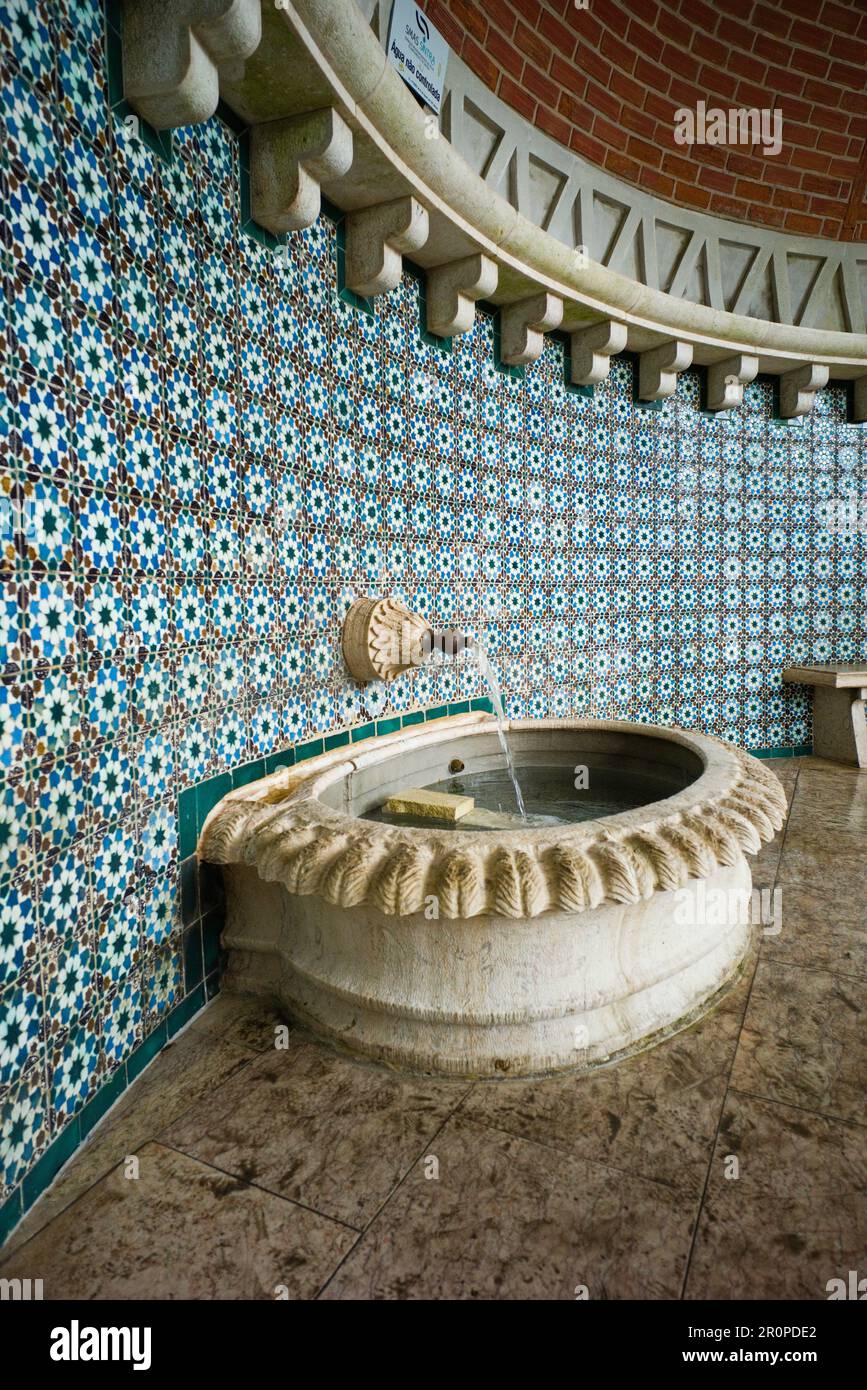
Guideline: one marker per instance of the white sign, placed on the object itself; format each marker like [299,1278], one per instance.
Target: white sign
[418,51]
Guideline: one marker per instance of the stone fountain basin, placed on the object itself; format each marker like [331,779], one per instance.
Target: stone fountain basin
[503,952]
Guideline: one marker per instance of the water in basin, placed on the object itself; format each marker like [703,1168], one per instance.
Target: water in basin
[550,796]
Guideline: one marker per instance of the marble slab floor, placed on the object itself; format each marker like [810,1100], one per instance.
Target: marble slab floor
[301,1173]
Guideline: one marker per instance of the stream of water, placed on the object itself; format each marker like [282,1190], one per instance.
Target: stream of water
[496,695]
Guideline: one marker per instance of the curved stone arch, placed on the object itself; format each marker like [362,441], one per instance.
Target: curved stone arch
[426,186]
[710,260]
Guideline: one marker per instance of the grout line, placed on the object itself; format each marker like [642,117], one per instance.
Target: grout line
[257,1186]
[713,1144]
[802,1109]
[575,1154]
[400,1182]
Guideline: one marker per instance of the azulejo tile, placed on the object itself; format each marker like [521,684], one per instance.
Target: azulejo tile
[59,802]
[22,1023]
[39,327]
[70,980]
[74,1064]
[162,982]
[18,931]
[16,829]
[118,938]
[207,455]
[121,1022]
[63,894]
[24,1126]
[161,911]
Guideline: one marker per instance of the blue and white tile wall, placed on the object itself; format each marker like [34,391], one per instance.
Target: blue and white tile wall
[206,455]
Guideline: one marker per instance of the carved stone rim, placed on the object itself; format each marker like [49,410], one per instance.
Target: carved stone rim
[280,826]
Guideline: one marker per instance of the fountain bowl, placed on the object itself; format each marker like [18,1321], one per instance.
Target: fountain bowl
[502,952]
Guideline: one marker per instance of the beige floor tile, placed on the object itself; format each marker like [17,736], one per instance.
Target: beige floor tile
[804,1040]
[818,936]
[830,862]
[242,1019]
[319,1128]
[654,1115]
[786,769]
[822,802]
[180,1230]
[845,773]
[764,866]
[794,1217]
[191,1067]
[509,1219]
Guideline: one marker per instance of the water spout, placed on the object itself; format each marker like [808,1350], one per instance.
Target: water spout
[449,643]
[381,639]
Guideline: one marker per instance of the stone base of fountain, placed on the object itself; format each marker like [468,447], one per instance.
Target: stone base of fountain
[501,952]
[486,996]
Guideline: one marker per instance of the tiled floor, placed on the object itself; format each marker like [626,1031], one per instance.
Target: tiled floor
[299,1172]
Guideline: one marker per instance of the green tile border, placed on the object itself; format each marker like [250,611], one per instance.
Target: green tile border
[160,142]
[40,1177]
[11,1213]
[566,343]
[800,750]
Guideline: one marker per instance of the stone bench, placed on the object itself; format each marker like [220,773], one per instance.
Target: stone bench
[840,689]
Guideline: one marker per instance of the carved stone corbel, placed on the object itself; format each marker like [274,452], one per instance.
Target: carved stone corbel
[798,389]
[452,290]
[288,161]
[726,380]
[172,55]
[523,327]
[659,368]
[591,350]
[377,237]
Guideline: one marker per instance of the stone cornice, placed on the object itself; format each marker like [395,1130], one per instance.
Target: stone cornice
[322,54]
[701,257]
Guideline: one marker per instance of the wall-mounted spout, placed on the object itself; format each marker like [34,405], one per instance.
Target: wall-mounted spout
[381,639]
[450,642]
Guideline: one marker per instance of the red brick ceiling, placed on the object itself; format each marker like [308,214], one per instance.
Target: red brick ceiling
[607,81]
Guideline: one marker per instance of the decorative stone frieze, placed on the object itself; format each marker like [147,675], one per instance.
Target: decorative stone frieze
[659,368]
[591,350]
[376,240]
[289,160]
[726,380]
[798,389]
[523,327]
[172,54]
[452,290]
